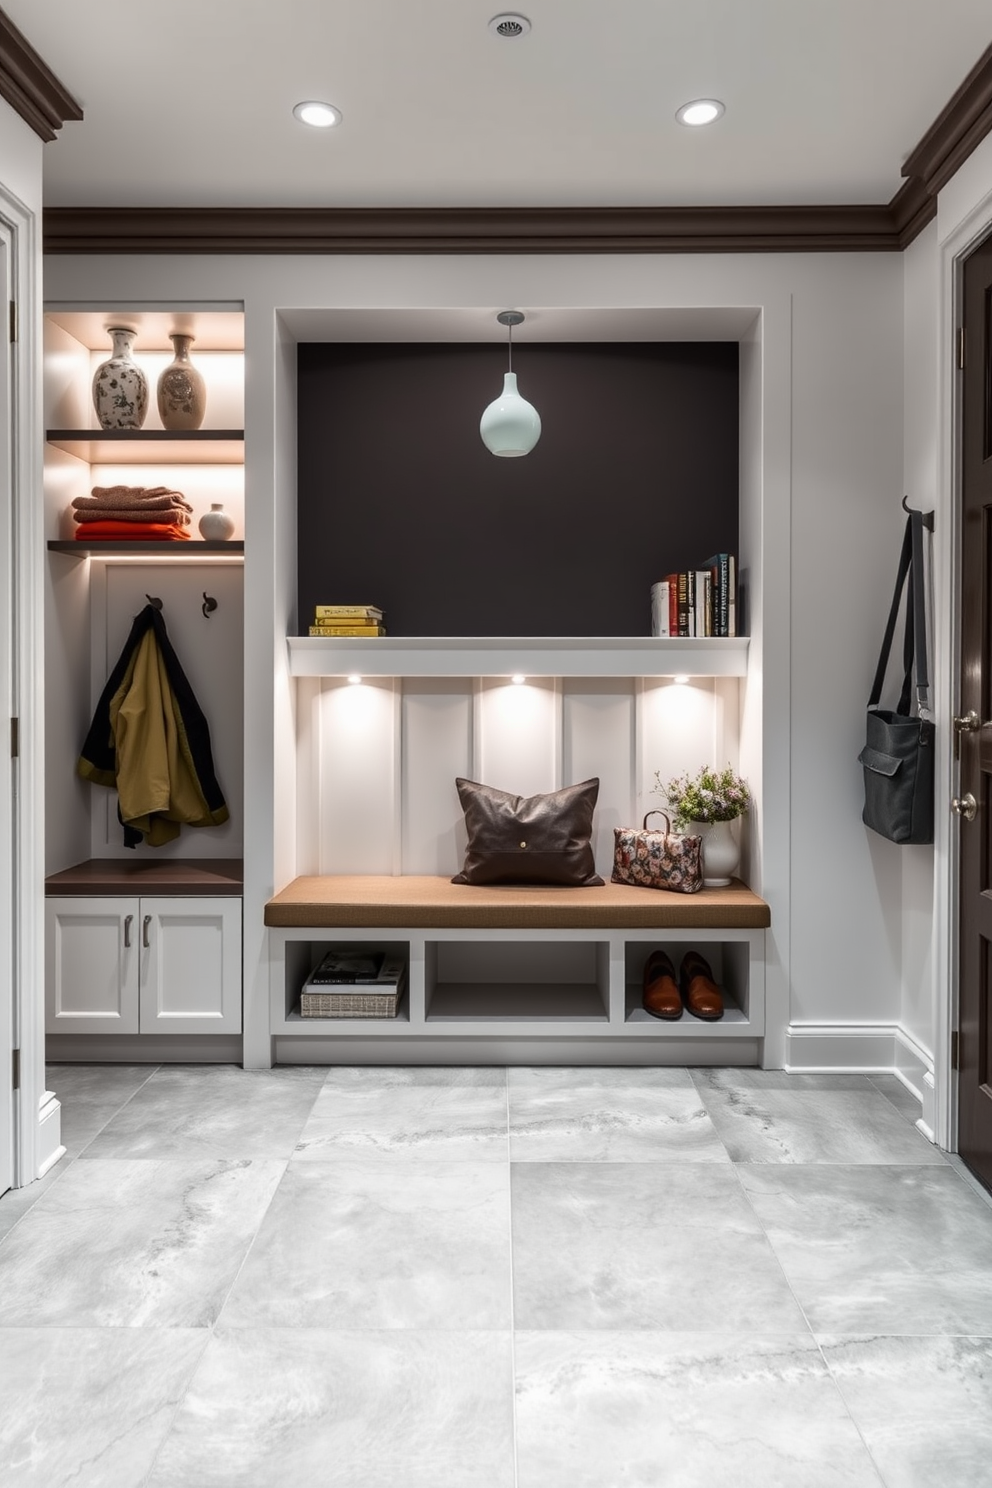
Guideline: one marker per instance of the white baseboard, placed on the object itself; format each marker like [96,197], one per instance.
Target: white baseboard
[862,1049]
[48,1147]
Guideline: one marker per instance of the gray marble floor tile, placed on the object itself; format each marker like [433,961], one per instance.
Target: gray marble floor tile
[397,1113]
[639,1245]
[98,1084]
[271,1408]
[905,1102]
[815,1126]
[366,1245]
[648,1410]
[879,1250]
[923,1405]
[744,1078]
[132,1243]
[198,1111]
[609,1115]
[89,1407]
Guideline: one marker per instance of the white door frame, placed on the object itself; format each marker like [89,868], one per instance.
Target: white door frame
[37,1116]
[966,236]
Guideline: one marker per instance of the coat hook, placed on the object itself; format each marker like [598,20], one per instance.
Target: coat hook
[927,516]
[157,603]
[209,604]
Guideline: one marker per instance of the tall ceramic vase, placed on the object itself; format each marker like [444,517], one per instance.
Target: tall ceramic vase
[120,388]
[721,855]
[182,393]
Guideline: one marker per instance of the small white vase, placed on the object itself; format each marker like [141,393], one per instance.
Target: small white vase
[216,525]
[120,388]
[721,854]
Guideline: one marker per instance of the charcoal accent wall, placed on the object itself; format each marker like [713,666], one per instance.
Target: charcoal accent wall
[401,505]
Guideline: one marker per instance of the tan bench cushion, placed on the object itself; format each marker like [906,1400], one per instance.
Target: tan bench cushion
[415,901]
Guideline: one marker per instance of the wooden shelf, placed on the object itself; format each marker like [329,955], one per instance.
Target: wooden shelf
[503,656]
[152,446]
[183,877]
[109,548]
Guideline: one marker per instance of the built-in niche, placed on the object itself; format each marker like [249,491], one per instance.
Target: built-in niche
[401,505]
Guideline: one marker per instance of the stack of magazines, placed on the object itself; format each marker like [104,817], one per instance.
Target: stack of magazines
[354,982]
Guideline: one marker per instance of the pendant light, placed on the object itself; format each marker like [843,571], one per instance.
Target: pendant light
[510,426]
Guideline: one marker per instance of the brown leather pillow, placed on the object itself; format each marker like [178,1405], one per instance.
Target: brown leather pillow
[528,839]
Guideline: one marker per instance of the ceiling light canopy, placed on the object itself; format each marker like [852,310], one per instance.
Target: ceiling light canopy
[317,115]
[510,425]
[700,111]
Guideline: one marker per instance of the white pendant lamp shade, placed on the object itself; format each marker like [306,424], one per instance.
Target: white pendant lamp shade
[510,426]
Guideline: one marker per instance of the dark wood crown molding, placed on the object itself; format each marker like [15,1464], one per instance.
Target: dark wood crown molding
[30,87]
[962,124]
[469,230]
[885,228]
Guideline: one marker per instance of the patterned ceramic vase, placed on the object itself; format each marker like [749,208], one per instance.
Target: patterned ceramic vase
[216,525]
[120,388]
[182,393]
[721,854]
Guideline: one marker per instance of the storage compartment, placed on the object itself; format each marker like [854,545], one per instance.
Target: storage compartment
[304,956]
[517,981]
[729,961]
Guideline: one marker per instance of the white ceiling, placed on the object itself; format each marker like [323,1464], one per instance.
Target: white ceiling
[188,102]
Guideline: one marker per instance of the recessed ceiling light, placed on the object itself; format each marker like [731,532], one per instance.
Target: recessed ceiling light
[509,25]
[700,111]
[317,115]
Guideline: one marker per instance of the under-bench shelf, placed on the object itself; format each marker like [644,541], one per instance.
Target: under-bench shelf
[509,974]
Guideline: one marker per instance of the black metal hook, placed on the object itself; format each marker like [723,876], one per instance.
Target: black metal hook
[927,516]
[209,605]
[152,600]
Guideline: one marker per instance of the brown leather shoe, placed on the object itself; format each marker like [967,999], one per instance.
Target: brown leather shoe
[700,992]
[662,998]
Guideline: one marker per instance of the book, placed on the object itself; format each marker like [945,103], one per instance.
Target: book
[346,612]
[719,566]
[703,603]
[682,581]
[660,609]
[347,966]
[347,630]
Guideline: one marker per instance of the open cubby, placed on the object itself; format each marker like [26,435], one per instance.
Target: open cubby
[517,981]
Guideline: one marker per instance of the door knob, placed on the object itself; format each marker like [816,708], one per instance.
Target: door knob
[965,806]
[968,723]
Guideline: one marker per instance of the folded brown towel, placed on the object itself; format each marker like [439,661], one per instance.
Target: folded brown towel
[97,512]
[158,498]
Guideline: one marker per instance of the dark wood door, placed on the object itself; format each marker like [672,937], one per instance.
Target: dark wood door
[974,726]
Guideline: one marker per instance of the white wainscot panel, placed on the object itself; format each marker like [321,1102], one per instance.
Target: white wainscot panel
[210,649]
[518,735]
[684,726]
[308,699]
[436,735]
[358,758]
[598,740]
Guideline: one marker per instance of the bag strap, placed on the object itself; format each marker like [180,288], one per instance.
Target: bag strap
[915,636]
[658,812]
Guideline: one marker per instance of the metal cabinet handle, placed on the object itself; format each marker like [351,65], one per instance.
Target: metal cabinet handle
[127,931]
[144,931]
[968,722]
[965,806]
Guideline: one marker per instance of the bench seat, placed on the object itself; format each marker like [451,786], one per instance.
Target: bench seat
[415,901]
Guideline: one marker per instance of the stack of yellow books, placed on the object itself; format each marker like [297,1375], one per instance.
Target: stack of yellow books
[347,620]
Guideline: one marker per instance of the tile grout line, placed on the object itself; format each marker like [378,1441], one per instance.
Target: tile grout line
[513,1319]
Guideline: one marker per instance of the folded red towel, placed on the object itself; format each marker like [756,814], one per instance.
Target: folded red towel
[132,531]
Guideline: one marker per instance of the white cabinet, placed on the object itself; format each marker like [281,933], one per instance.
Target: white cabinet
[143,964]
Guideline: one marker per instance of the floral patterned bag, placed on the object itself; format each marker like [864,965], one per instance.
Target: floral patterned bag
[657,860]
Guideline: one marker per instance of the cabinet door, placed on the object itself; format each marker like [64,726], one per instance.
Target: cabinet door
[190,965]
[91,965]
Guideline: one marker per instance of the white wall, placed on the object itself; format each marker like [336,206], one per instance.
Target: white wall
[829,391]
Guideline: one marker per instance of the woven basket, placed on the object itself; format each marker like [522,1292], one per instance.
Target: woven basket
[350,1002]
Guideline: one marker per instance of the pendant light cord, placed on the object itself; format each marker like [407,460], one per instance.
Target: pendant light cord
[509,347]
